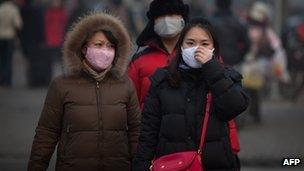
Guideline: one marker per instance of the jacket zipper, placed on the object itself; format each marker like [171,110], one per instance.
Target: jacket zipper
[68,128]
[99,118]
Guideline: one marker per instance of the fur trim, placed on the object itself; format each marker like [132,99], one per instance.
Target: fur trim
[79,33]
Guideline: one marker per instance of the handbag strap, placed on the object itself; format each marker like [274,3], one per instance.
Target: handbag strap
[205,122]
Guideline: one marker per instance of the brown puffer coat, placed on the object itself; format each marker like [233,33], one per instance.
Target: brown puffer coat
[95,124]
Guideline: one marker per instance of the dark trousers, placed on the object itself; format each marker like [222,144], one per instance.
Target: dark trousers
[298,84]
[6,56]
[255,104]
[54,53]
[39,66]
[40,71]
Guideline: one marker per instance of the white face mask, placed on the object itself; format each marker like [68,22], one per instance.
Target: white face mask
[188,57]
[169,26]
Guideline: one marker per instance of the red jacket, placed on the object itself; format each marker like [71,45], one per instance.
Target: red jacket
[55,20]
[145,63]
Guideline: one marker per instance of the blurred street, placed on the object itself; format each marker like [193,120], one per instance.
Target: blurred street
[262,146]
[278,136]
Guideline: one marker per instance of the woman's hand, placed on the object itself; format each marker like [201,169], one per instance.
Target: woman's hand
[203,54]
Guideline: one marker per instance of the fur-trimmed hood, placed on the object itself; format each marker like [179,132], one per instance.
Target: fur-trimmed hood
[78,35]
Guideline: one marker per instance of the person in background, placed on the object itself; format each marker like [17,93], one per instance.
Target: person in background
[19,2]
[159,38]
[137,16]
[266,59]
[299,55]
[119,8]
[196,8]
[10,25]
[293,42]
[91,111]
[55,19]
[79,10]
[32,42]
[231,33]
[174,107]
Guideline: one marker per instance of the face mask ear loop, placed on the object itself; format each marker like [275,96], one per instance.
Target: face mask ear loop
[213,52]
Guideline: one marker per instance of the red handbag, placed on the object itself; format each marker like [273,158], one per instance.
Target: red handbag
[187,160]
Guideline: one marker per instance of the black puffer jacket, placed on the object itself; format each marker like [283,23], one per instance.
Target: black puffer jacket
[171,119]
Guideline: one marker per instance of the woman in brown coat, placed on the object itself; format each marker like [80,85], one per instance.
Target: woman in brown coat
[91,111]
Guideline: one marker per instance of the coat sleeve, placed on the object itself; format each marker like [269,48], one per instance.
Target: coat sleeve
[149,130]
[133,119]
[47,131]
[229,99]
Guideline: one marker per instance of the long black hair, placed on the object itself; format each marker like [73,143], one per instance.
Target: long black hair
[174,76]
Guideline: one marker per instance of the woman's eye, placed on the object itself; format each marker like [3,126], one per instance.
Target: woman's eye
[189,43]
[98,44]
[112,46]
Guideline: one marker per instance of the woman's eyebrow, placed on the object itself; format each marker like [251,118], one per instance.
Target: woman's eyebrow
[190,39]
[205,40]
[97,40]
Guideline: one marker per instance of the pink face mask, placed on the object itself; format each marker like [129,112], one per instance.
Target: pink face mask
[100,58]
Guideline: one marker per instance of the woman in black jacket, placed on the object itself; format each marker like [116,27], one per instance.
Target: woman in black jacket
[174,106]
